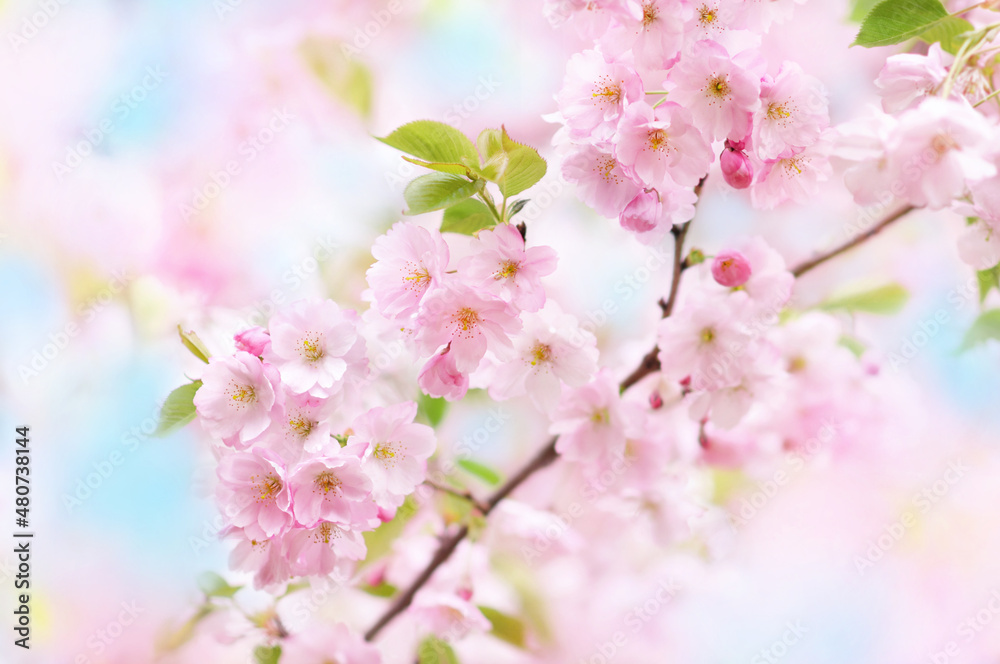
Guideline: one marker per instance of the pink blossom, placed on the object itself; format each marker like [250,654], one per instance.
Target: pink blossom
[594,94]
[726,404]
[441,378]
[501,264]
[324,548]
[396,450]
[469,322]
[238,397]
[446,613]
[254,340]
[551,351]
[720,91]
[979,245]
[314,343]
[653,30]
[651,214]
[409,261]
[662,145]
[704,343]
[325,644]
[938,149]
[907,78]
[731,269]
[602,182]
[769,284]
[591,18]
[332,488]
[792,114]
[793,176]
[265,558]
[303,427]
[737,169]
[253,490]
[592,422]
[759,15]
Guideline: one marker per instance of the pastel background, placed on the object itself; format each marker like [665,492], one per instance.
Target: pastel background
[122,215]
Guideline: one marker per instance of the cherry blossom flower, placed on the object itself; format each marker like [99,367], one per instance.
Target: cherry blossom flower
[254,340]
[324,644]
[651,214]
[792,114]
[552,350]
[705,343]
[907,78]
[409,261]
[320,550]
[313,344]
[396,451]
[592,422]
[594,94]
[469,322]
[265,558]
[653,30]
[793,176]
[721,92]
[238,397]
[601,180]
[662,145]
[591,18]
[304,427]
[253,491]
[759,15]
[332,488]
[737,170]
[440,378]
[446,613]
[731,269]
[501,264]
[979,245]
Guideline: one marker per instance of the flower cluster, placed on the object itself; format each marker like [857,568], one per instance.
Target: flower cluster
[304,470]
[638,160]
[488,318]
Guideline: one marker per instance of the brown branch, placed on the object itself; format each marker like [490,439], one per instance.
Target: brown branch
[802,268]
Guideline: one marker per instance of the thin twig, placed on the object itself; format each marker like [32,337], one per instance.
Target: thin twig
[802,268]
[464,495]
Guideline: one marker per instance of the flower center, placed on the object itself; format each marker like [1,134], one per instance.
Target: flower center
[718,86]
[541,354]
[649,11]
[776,111]
[311,349]
[796,364]
[607,91]
[416,277]
[942,144]
[242,393]
[706,16]
[707,335]
[507,270]
[792,166]
[606,165]
[301,425]
[466,319]
[267,488]
[658,140]
[327,482]
[385,452]
[325,532]
[600,416]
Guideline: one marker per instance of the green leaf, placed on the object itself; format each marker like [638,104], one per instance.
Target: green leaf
[988,280]
[431,409]
[853,345]
[895,21]
[193,344]
[516,207]
[348,80]
[438,190]
[467,218]
[949,33]
[381,590]
[861,9]
[884,300]
[524,166]
[266,654]
[214,585]
[484,473]
[174,639]
[505,626]
[432,141]
[454,169]
[986,327]
[490,143]
[433,650]
[178,409]
[379,541]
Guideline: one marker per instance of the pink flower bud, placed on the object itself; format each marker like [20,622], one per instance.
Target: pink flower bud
[655,401]
[253,341]
[643,213]
[441,378]
[736,166]
[731,269]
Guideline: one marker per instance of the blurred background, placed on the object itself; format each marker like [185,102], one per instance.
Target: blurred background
[201,162]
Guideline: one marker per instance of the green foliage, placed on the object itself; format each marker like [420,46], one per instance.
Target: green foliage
[379,541]
[214,585]
[266,654]
[433,142]
[505,626]
[178,409]
[853,345]
[193,344]
[435,191]
[468,217]
[524,167]
[431,409]
[347,80]
[949,33]
[988,280]
[484,473]
[895,21]
[884,300]
[986,327]
[433,650]
[381,590]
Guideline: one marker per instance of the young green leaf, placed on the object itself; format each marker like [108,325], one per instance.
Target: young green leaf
[193,344]
[431,409]
[432,141]
[467,218]
[381,590]
[489,142]
[895,21]
[986,327]
[484,473]
[178,409]
[516,207]
[349,80]
[988,280]
[438,190]
[454,169]
[214,585]
[853,345]
[267,654]
[861,9]
[524,166]
[948,33]
[505,626]
[379,541]
[884,300]
[433,650]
